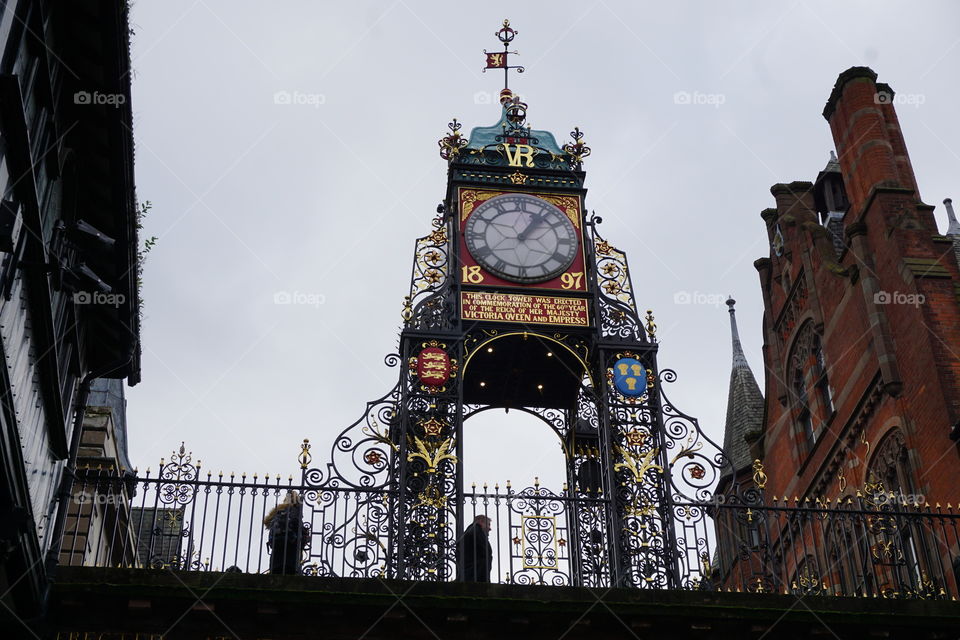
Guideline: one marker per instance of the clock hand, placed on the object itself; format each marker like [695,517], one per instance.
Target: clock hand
[536,219]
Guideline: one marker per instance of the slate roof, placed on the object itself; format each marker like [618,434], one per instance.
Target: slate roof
[108,392]
[744,402]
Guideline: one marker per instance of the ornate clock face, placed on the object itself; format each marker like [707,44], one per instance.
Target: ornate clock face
[521,238]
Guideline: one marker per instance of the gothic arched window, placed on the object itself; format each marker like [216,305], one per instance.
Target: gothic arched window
[910,545]
[804,419]
[820,377]
[890,465]
[811,394]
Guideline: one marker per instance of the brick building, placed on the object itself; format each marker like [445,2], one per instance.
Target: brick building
[861,327]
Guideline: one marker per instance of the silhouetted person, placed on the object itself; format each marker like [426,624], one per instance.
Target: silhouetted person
[475,551]
[287,534]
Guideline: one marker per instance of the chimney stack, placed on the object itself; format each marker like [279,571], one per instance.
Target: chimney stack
[867,136]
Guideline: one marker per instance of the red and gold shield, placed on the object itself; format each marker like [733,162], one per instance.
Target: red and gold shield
[433,367]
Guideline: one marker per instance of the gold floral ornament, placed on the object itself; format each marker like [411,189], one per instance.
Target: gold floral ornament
[373,430]
[432,454]
[612,288]
[604,248]
[576,150]
[636,465]
[373,457]
[689,448]
[518,178]
[433,257]
[407,312]
[636,438]
[432,427]
[610,269]
[433,276]
[439,234]
[431,497]
[453,142]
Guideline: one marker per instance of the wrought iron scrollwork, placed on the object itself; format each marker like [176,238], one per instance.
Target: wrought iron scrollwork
[361,453]
[452,143]
[696,461]
[179,477]
[618,309]
[576,150]
[538,530]
[429,510]
[350,499]
[430,305]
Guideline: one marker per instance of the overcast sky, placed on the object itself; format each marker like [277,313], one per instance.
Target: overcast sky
[324,196]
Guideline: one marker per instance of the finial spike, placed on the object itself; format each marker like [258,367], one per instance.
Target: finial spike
[739,359]
[498,60]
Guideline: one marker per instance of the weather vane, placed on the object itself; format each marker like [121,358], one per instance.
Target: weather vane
[498,60]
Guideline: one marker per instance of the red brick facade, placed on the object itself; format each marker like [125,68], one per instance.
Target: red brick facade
[861,321]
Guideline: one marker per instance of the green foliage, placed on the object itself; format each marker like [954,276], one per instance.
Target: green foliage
[148,243]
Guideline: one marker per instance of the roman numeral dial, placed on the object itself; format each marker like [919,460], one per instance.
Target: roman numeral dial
[521,238]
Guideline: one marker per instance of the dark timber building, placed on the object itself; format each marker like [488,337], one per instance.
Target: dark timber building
[68,267]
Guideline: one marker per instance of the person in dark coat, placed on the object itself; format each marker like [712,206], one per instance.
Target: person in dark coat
[287,535]
[475,551]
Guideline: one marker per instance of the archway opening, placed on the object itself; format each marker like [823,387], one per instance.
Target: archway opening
[523,369]
[512,462]
[501,445]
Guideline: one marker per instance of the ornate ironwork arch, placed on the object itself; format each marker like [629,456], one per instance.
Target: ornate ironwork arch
[550,417]
[474,343]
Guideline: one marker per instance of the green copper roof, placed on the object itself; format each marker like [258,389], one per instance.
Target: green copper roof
[481,137]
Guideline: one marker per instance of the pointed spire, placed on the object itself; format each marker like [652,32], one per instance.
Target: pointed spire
[744,403]
[954,228]
[739,359]
[833,164]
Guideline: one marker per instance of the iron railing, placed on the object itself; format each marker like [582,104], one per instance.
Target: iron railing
[862,546]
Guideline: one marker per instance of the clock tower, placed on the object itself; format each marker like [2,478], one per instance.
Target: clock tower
[518,302]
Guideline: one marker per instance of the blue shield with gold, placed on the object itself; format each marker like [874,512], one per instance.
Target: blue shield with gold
[630,377]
